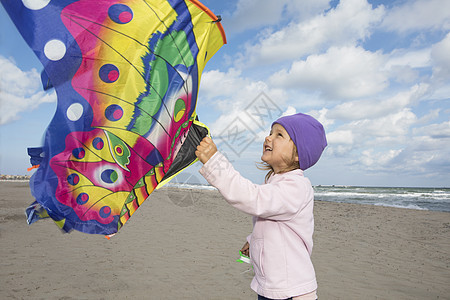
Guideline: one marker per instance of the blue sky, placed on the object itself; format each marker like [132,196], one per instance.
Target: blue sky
[375,73]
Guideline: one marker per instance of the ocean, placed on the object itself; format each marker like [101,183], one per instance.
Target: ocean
[437,199]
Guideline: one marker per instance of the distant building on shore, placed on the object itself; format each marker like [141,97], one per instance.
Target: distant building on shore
[14,177]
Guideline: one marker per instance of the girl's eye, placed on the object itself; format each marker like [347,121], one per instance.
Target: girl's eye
[280,134]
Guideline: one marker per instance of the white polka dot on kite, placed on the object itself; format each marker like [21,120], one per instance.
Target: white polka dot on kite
[55,50]
[35,4]
[74,112]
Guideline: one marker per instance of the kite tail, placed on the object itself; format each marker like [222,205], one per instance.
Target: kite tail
[35,212]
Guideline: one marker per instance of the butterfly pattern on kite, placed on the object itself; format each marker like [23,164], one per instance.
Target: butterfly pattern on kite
[126,74]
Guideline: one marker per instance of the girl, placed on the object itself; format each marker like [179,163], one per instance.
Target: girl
[282,208]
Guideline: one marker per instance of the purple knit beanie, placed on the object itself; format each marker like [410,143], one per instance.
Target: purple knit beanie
[308,136]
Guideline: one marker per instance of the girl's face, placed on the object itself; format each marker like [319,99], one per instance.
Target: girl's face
[278,149]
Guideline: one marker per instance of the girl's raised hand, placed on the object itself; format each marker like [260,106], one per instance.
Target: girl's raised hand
[206,149]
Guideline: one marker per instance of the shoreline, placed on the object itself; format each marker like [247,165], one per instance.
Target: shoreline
[318,185]
[187,243]
[428,199]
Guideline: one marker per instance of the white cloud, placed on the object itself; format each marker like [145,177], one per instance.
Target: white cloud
[435,131]
[340,142]
[441,59]
[16,81]
[403,65]
[425,155]
[19,91]
[386,131]
[365,140]
[390,143]
[422,156]
[235,95]
[394,125]
[340,137]
[372,160]
[346,72]
[322,116]
[418,15]
[251,14]
[289,111]
[430,116]
[228,81]
[349,22]
[407,57]
[375,108]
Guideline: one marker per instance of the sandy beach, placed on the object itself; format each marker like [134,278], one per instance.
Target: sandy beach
[183,244]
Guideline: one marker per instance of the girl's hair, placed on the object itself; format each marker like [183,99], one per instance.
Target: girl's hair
[292,164]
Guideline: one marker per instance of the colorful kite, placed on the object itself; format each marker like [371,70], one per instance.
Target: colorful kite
[126,73]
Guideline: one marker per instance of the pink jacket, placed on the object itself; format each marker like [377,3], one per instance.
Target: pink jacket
[281,241]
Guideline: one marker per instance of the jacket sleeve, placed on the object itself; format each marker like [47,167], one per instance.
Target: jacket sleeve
[278,200]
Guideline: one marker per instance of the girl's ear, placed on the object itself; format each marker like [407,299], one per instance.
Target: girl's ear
[295,153]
